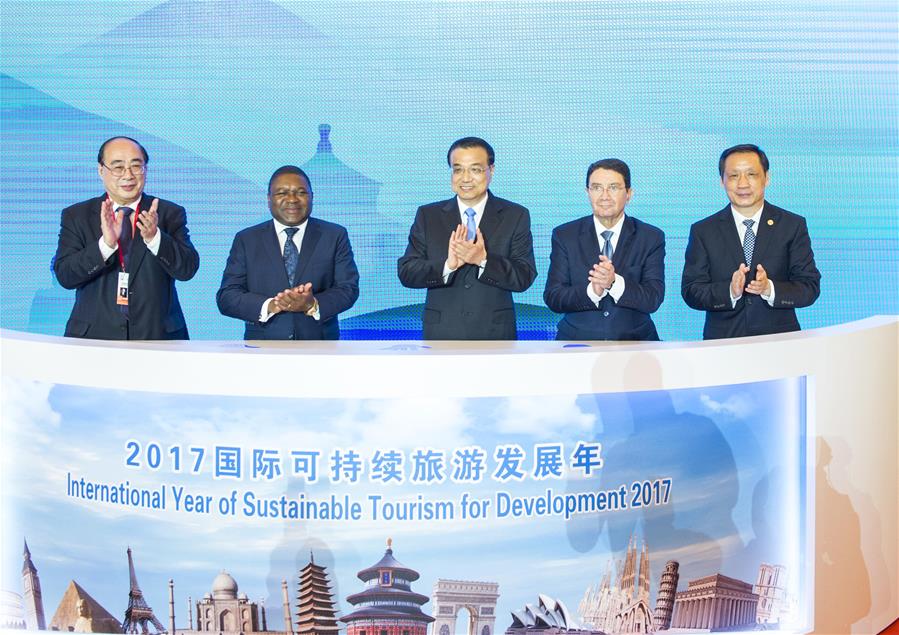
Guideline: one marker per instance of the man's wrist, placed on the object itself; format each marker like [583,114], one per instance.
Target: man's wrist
[105,250]
[313,308]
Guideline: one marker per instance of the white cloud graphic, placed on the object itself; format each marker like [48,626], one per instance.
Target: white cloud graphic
[555,418]
[27,410]
[738,406]
[403,423]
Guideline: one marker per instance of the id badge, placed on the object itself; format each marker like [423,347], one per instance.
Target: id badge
[122,295]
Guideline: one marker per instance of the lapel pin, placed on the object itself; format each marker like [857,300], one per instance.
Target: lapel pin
[770,222]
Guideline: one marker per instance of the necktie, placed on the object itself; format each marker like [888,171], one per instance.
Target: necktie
[607,246]
[125,236]
[748,241]
[291,254]
[469,224]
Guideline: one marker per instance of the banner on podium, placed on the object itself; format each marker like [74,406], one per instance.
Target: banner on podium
[681,510]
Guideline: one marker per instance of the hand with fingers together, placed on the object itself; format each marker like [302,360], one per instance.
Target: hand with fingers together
[298,299]
[453,261]
[738,281]
[472,252]
[110,223]
[602,275]
[761,284]
[148,221]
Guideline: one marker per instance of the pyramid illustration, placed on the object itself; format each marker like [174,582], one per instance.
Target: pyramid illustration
[95,617]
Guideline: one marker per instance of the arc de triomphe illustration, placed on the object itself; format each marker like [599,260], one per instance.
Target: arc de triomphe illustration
[479,598]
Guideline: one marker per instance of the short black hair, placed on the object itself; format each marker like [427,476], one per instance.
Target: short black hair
[288,169]
[743,147]
[616,165]
[471,142]
[102,149]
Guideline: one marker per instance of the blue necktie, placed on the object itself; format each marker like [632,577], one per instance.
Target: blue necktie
[607,246]
[291,255]
[748,241]
[469,224]
[125,236]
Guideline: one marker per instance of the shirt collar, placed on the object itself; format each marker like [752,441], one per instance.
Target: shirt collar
[133,205]
[739,218]
[477,207]
[280,227]
[616,228]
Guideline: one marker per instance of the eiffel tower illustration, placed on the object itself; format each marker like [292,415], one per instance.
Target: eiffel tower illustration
[138,613]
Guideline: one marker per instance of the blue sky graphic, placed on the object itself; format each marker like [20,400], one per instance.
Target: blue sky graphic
[223,92]
[734,454]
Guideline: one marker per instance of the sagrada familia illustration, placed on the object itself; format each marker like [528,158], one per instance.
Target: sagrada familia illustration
[620,604]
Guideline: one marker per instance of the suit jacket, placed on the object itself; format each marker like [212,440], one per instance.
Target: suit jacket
[639,258]
[468,307]
[782,247]
[154,312]
[255,272]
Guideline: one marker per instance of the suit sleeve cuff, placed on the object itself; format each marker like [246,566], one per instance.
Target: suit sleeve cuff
[264,314]
[617,288]
[592,295]
[770,298]
[153,245]
[447,272]
[316,312]
[105,250]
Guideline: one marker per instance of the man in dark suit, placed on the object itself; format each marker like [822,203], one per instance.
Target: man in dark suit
[288,278]
[122,253]
[607,270]
[470,252]
[750,266]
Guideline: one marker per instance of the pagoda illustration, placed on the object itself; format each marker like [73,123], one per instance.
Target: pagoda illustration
[315,605]
[388,605]
[138,613]
[348,197]
[343,191]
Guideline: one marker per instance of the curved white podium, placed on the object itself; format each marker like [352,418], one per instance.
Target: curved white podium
[766,468]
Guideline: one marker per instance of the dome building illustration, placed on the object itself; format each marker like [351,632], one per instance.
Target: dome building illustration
[226,610]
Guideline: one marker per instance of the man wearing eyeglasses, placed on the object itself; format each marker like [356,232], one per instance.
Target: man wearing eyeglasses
[606,270]
[470,252]
[749,266]
[122,252]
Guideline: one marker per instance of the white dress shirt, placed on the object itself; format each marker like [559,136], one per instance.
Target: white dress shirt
[463,218]
[617,288]
[741,230]
[264,314]
[153,246]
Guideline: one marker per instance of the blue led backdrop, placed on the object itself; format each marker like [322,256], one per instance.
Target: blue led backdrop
[367,96]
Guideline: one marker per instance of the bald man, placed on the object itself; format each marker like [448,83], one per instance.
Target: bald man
[122,252]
